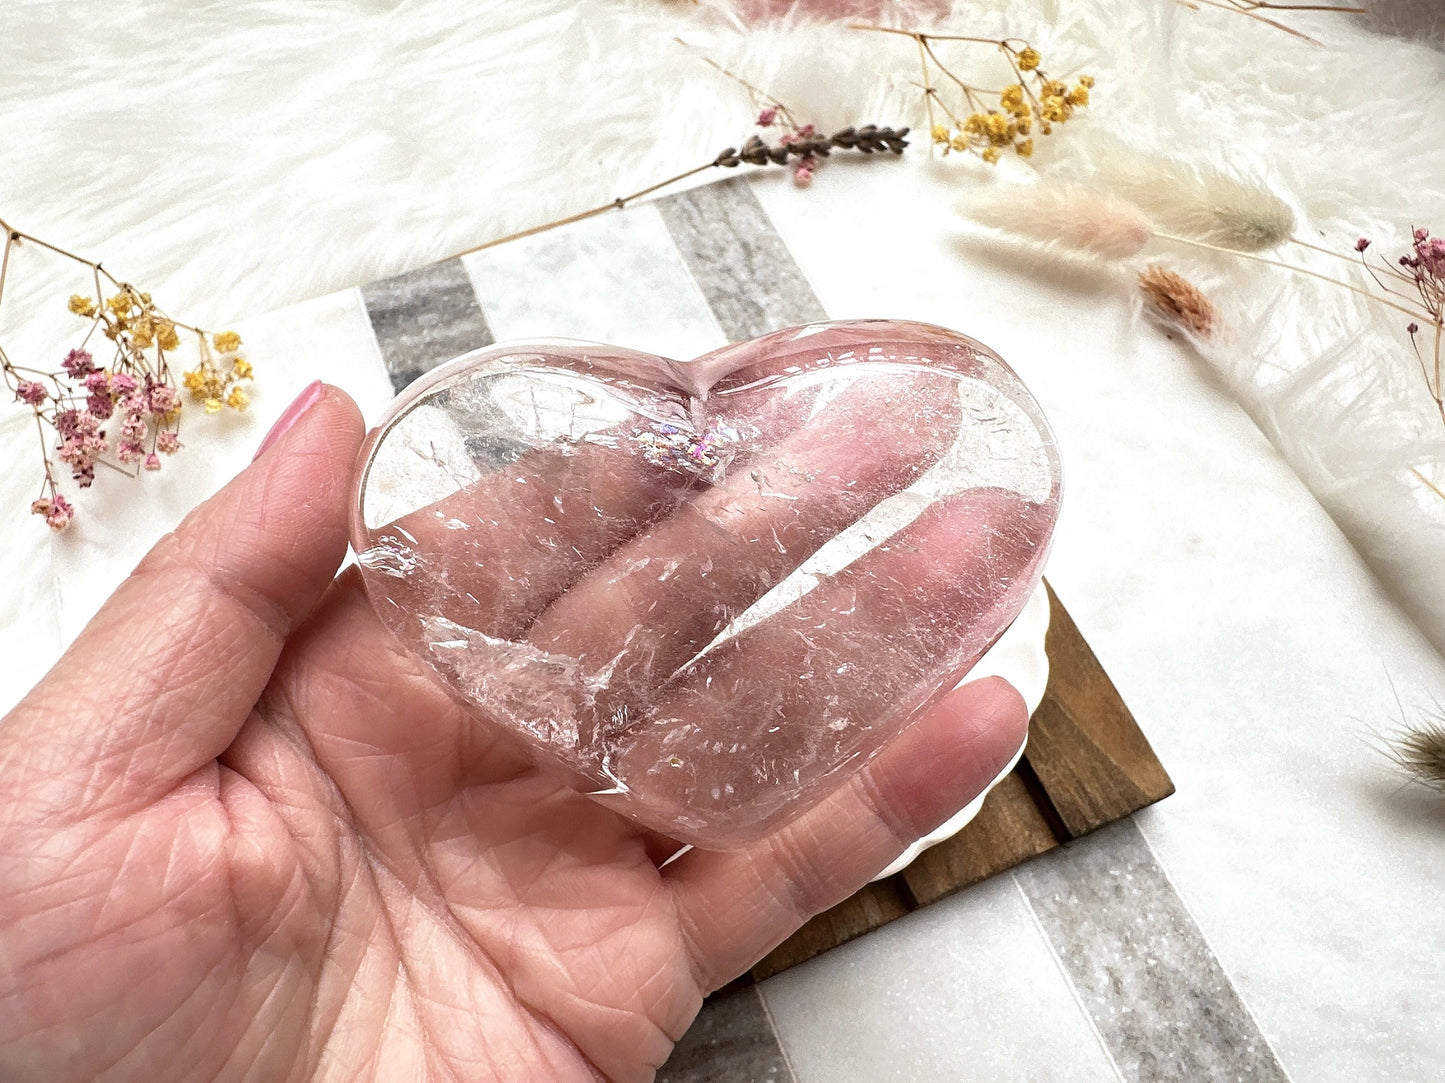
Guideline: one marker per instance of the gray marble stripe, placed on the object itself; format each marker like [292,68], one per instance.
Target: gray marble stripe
[1157,994]
[731,1041]
[742,266]
[423,318]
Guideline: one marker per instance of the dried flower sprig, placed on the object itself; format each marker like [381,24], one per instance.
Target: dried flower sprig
[1418,279]
[123,414]
[987,122]
[1251,9]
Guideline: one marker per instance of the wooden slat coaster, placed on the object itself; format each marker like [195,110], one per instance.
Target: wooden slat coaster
[1087,764]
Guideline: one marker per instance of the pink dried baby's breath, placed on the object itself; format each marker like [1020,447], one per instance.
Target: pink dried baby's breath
[31,392]
[56,509]
[78,364]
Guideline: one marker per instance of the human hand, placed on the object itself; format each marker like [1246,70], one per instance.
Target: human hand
[244,834]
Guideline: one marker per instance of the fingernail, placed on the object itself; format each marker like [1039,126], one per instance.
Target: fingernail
[304,402]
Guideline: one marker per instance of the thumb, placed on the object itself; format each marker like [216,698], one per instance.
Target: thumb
[162,678]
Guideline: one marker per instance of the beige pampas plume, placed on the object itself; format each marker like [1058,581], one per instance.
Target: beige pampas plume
[1199,203]
[1068,217]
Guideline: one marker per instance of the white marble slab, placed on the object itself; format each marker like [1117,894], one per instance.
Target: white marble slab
[617,278]
[965,989]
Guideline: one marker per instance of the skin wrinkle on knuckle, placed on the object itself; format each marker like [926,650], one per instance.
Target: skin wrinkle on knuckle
[878,797]
[801,884]
[193,581]
[699,962]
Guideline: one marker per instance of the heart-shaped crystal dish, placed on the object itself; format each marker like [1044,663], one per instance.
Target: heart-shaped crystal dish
[706,592]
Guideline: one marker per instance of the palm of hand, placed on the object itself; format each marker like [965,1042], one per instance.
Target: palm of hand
[244,861]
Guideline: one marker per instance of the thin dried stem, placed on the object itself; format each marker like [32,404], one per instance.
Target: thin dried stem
[757,92]
[616,205]
[1267,5]
[870,139]
[928,92]
[5,260]
[1415,312]
[1428,483]
[1436,386]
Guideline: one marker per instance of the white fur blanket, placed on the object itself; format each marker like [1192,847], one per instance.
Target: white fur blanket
[236,157]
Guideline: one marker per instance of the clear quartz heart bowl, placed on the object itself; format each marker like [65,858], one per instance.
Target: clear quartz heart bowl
[706,592]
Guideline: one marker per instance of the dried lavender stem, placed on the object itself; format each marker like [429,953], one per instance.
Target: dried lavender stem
[868,140]
[616,205]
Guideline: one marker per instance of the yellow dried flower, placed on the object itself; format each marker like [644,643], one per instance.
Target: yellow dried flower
[193,380]
[990,155]
[976,124]
[1054,88]
[141,336]
[1086,81]
[241,368]
[1012,98]
[120,303]
[1078,96]
[82,306]
[167,336]
[1055,109]
[1025,148]
[214,406]
[238,399]
[1025,122]
[1028,58]
[959,141]
[227,342]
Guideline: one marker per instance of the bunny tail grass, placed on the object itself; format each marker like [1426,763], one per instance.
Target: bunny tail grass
[1077,220]
[1419,750]
[1201,203]
[1176,301]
